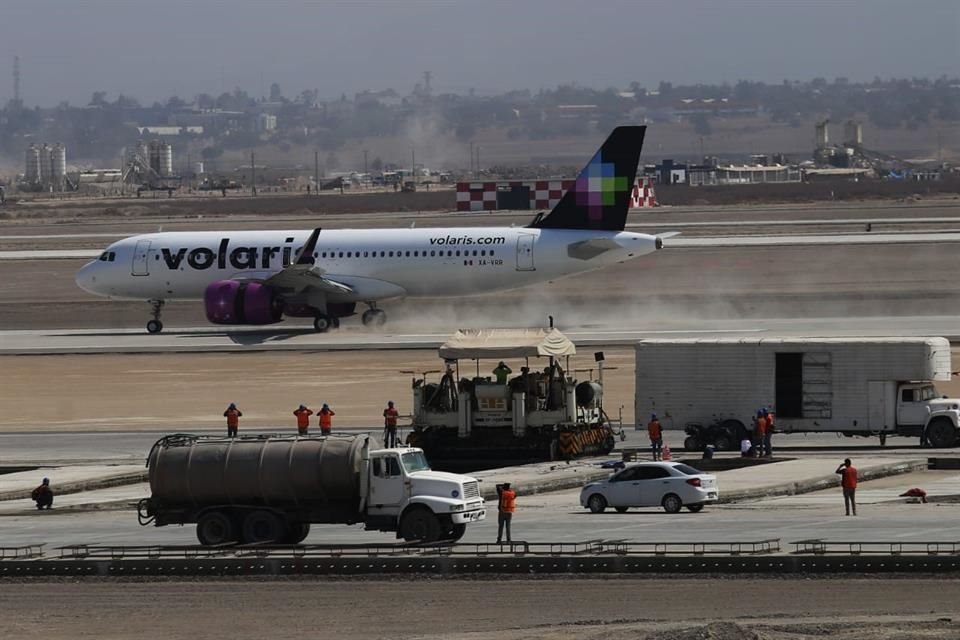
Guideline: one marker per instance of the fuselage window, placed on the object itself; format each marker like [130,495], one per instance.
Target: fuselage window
[391,254]
[383,254]
[458,253]
[407,255]
[450,254]
[366,254]
[491,253]
[474,253]
[416,254]
[432,253]
[483,252]
[341,254]
[323,255]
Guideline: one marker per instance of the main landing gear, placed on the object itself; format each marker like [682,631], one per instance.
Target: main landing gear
[374,317]
[323,322]
[155,326]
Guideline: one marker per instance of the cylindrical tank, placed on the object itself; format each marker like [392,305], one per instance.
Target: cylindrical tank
[275,471]
[45,164]
[198,168]
[58,165]
[31,171]
[165,159]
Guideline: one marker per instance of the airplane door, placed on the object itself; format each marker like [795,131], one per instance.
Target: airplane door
[140,254]
[525,252]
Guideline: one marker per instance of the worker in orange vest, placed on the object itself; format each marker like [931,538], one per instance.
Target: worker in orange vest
[303,419]
[656,436]
[390,415]
[767,433]
[759,432]
[325,418]
[232,414]
[505,508]
[848,481]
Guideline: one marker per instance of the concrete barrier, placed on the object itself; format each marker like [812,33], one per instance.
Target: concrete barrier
[447,566]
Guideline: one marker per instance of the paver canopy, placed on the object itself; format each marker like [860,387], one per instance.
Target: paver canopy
[506,343]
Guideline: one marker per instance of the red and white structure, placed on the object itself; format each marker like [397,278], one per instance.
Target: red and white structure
[541,194]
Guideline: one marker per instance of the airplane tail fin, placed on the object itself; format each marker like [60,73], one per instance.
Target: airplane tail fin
[600,197]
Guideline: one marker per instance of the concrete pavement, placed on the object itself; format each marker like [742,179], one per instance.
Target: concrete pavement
[73,479]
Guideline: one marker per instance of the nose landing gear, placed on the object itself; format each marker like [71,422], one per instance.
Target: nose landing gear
[155,326]
[323,322]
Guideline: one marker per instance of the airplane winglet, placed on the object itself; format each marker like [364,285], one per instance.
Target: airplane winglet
[306,253]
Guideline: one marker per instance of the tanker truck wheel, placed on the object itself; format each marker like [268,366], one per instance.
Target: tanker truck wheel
[419,525]
[297,533]
[215,528]
[456,532]
[263,527]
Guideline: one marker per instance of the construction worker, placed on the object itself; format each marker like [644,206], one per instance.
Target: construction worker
[232,415]
[501,372]
[390,415]
[848,481]
[303,419]
[325,418]
[759,431]
[656,436]
[506,506]
[768,433]
[43,495]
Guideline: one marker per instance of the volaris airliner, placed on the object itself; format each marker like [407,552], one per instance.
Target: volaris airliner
[260,277]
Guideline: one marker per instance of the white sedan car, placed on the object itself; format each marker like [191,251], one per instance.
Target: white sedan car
[671,485]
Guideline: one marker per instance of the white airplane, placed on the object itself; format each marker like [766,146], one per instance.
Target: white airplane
[258,277]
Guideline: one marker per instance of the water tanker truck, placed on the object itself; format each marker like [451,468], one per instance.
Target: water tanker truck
[270,489]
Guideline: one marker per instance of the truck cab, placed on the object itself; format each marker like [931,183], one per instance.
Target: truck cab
[924,412]
[406,496]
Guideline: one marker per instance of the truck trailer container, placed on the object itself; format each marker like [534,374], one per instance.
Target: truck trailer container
[712,388]
[263,489]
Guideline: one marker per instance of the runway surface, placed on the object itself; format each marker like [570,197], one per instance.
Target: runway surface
[213,339]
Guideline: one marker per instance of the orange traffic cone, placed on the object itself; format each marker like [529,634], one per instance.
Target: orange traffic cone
[666,452]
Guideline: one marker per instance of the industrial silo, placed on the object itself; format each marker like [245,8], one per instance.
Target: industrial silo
[58,166]
[45,164]
[166,159]
[31,173]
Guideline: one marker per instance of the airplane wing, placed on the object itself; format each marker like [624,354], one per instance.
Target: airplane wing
[302,275]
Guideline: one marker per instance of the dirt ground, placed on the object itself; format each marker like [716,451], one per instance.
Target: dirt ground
[162,391]
[594,609]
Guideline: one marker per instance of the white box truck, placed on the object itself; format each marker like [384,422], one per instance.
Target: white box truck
[712,388]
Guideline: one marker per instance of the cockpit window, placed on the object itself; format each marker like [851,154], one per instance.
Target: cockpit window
[113,256]
[104,256]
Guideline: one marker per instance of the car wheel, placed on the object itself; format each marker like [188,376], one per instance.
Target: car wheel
[597,503]
[695,508]
[672,503]
[622,509]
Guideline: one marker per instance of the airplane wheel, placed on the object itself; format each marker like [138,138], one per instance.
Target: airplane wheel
[322,323]
[379,317]
[154,326]
[367,317]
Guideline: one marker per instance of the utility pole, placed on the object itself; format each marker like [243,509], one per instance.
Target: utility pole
[413,164]
[478,158]
[471,156]
[253,175]
[316,172]
[16,80]
[365,161]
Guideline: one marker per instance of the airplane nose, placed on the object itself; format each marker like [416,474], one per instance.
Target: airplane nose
[86,278]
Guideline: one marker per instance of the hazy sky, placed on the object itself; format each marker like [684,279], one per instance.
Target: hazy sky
[151,50]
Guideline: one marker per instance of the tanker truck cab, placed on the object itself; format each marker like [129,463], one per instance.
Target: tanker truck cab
[406,496]
[921,410]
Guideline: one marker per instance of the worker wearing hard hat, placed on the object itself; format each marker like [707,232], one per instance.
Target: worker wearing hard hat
[43,495]
[303,419]
[390,415]
[501,372]
[325,418]
[232,414]
[656,436]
